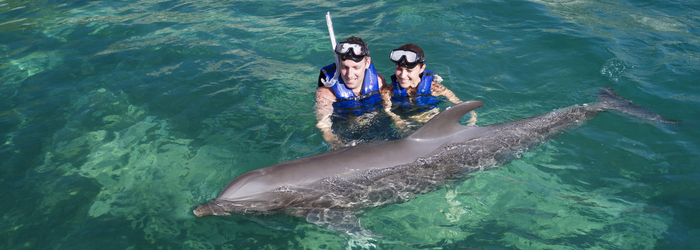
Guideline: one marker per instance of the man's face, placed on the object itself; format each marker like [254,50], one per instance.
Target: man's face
[353,73]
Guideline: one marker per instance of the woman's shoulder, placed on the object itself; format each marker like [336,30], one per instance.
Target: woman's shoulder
[437,87]
[436,79]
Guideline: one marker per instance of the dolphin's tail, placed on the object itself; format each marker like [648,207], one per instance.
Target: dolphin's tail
[609,100]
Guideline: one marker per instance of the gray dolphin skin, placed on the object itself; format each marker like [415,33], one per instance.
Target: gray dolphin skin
[326,189]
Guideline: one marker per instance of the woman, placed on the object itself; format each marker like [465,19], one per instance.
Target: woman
[413,90]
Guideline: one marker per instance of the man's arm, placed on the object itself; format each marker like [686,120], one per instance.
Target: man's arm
[324,109]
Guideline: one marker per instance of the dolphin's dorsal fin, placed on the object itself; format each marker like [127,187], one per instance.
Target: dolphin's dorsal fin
[447,122]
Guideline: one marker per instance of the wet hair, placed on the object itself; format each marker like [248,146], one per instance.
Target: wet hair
[357,40]
[414,48]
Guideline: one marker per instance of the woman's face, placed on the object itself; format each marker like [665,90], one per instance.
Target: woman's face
[409,77]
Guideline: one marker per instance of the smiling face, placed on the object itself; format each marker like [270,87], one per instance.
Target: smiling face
[407,77]
[353,73]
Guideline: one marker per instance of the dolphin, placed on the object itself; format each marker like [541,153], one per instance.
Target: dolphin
[327,189]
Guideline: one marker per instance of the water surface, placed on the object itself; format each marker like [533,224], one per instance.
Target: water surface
[118,118]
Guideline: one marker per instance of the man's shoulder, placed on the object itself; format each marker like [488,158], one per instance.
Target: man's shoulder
[324,72]
[328,68]
[387,88]
[325,93]
[382,81]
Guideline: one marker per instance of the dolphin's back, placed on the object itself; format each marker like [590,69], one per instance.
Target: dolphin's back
[305,171]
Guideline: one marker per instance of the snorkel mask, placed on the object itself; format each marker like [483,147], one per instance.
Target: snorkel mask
[406,58]
[353,51]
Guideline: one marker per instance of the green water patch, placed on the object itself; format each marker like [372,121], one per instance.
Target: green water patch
[527,209]
[144,176]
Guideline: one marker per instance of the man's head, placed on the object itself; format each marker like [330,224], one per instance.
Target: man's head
[353,55]
[407,57]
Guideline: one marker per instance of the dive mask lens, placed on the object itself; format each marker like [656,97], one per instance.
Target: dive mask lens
[397,54]
[352,51]
[405,58]
[344,48]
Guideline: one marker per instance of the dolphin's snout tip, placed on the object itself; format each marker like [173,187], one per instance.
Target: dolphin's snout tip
[201,211]
[213,207]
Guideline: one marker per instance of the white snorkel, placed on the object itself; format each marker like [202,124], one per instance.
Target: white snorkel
[334,80]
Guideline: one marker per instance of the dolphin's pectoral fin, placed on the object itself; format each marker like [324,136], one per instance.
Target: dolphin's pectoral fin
[339,220]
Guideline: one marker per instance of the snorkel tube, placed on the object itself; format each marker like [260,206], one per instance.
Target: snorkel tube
[334,80]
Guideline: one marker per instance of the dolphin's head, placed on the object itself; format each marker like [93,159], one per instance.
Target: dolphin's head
[263,191]
[263,203]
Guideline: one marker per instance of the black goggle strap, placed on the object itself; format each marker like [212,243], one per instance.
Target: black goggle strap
[403,63]
[357,59]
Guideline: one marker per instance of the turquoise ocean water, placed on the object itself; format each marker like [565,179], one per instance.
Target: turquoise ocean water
[117,118]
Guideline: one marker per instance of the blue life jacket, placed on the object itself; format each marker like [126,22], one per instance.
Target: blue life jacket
[347,102]
[422,101]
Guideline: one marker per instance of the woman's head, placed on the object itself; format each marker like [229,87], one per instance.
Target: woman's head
[408,55]
[413,47]
[410,63]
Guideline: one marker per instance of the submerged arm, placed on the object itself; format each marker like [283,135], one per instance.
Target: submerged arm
[400,124]
[324,109]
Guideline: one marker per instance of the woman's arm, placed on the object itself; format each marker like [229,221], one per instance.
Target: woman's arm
[400,124]
[440,90]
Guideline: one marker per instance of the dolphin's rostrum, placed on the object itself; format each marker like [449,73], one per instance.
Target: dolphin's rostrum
[327,188]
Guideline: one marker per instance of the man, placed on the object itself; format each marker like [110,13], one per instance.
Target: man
[356,91]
